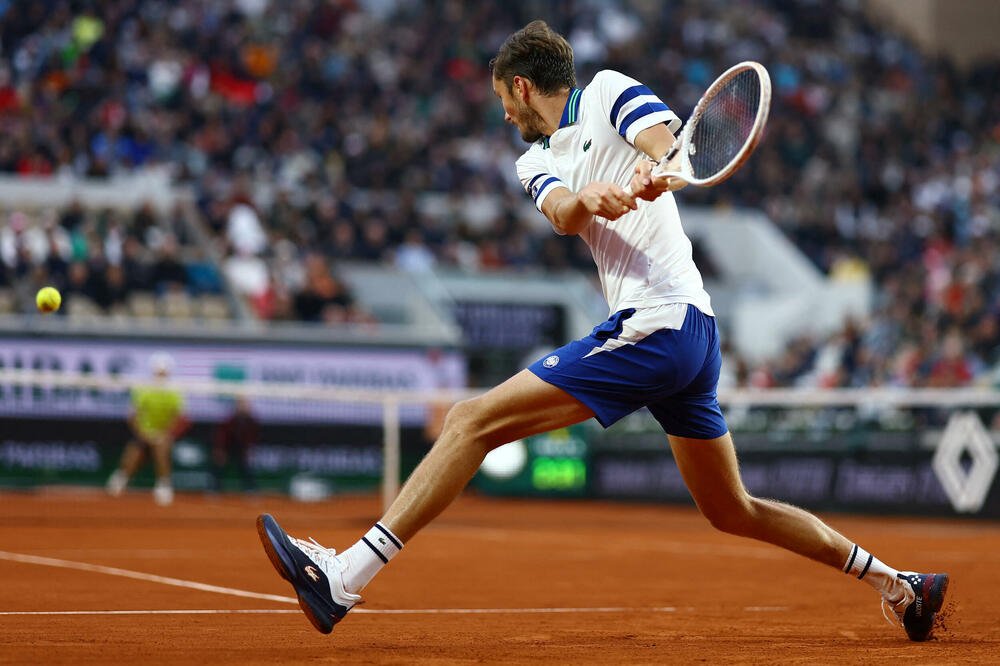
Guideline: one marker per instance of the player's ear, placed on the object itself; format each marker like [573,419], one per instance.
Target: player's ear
[522,88]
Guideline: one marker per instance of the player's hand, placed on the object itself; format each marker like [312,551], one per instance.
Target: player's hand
[607,200]
[649,187]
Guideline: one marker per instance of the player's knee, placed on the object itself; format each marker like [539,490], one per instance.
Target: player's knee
[465,421]
[733,514]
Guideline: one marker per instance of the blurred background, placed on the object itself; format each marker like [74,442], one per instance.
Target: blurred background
[323,194]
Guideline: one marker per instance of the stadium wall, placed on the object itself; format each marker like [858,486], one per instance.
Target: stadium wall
[962,30]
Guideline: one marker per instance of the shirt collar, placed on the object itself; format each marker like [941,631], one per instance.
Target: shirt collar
[571,113]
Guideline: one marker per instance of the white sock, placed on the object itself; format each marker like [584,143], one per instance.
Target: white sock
[865,566]
[367,557]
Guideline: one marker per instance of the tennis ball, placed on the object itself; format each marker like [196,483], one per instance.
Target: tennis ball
[48,299]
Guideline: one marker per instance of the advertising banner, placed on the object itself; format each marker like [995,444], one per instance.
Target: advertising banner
[316,459]
[391,369]
[862,482]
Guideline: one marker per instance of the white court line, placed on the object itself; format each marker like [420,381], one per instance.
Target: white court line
[177,582]
[138,575]
[393,611]
[477,611]
[251,611]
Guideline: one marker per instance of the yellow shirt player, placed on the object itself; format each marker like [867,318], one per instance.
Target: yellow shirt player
[156,420]
[156,412]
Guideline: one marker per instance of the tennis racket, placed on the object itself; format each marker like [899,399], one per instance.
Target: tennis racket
[723,129]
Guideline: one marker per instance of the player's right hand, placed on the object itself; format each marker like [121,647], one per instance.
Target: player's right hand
[607,200]
[647,186]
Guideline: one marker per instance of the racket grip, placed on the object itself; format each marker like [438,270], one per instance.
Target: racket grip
[662,162]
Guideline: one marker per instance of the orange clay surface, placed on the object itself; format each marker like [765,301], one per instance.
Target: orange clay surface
[576,582]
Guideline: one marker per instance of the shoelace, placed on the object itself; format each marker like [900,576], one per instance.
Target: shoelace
[895,617]
[321,555]
[892,617]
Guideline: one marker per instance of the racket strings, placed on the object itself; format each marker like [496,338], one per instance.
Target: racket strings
[725,124]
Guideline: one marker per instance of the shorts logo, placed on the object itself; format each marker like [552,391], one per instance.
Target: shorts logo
[551,361]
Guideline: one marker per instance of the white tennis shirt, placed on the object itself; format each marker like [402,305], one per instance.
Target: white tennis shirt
[643,257]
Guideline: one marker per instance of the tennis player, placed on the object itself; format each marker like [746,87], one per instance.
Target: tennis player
[658,349]
[156,420]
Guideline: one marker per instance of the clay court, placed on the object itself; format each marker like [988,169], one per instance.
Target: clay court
[88,579]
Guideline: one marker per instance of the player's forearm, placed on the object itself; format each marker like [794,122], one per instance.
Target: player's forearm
[655,141]
[570,213]
[570,216]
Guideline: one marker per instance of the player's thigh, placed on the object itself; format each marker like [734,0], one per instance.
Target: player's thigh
[522,406]
[712,475]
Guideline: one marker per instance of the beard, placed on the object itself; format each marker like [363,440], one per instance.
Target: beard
[531,123]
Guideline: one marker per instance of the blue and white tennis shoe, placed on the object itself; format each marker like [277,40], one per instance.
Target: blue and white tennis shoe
[315,572]
[923,598]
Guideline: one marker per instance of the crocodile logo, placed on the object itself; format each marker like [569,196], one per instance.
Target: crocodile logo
[312,573]
[586,146]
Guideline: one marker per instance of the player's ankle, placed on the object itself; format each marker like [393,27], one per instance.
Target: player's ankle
[367,557]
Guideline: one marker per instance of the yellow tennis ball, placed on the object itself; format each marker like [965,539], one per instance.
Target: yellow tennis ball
[48,299]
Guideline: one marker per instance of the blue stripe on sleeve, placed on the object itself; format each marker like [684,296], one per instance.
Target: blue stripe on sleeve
[542,188]
[644,110]
[623,99]
[527,188]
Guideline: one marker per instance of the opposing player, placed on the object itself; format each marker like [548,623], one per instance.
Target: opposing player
[658,349]
[156,420]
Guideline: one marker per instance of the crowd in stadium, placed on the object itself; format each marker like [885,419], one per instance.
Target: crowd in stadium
[315,132]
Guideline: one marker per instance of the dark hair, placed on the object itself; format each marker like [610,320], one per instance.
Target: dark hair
[540,55]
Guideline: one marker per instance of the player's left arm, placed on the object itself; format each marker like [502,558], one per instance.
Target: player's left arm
[571,212]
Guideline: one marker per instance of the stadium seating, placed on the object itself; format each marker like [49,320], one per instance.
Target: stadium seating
[308,141]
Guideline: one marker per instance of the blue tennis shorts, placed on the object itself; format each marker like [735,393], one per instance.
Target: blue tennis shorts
[665,358]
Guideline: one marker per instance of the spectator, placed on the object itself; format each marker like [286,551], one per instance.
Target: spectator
[111,293]
[137,270]
[324,298]
[244,231]
[79,282]
[168,273]
[413,256]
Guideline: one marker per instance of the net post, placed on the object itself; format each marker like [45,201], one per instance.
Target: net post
[390,450]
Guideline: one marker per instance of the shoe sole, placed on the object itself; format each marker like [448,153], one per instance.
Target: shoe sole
[275,542]
[935,600]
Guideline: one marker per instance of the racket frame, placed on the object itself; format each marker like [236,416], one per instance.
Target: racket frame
[682,143]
